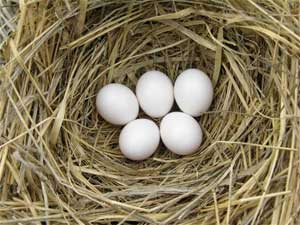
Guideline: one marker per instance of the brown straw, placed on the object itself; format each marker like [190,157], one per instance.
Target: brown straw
[60,162]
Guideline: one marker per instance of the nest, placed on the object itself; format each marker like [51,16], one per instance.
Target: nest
[60,162]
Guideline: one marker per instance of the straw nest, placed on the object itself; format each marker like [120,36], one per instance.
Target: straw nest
[60,162]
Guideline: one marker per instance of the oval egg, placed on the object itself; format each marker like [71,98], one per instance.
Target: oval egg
[180,133]
[193,92]
[117,104]
[139,139]
[154,92]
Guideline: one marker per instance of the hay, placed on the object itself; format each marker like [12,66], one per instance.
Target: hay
[7,21]
[60,162]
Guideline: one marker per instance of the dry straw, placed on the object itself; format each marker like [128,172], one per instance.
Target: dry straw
[60,162]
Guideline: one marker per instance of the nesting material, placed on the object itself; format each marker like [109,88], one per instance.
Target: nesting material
[60,162]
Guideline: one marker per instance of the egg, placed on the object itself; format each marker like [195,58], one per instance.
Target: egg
[180,133]
[193,92]
[117,104]
[155,93]
[139,139]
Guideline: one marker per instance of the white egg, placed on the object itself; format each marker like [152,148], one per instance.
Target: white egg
[180,133]
[193,92]
[117,104]
[154,91]
[139,139]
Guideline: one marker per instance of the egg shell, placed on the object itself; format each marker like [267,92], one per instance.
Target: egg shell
[180,133]
[155,93]
[193,92]
[117,104]
[139,139]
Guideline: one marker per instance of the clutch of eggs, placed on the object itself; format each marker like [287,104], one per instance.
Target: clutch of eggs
[155,94]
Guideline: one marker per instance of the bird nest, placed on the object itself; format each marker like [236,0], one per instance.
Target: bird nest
[59,160]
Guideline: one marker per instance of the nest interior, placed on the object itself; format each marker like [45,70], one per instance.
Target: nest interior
[60,162]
